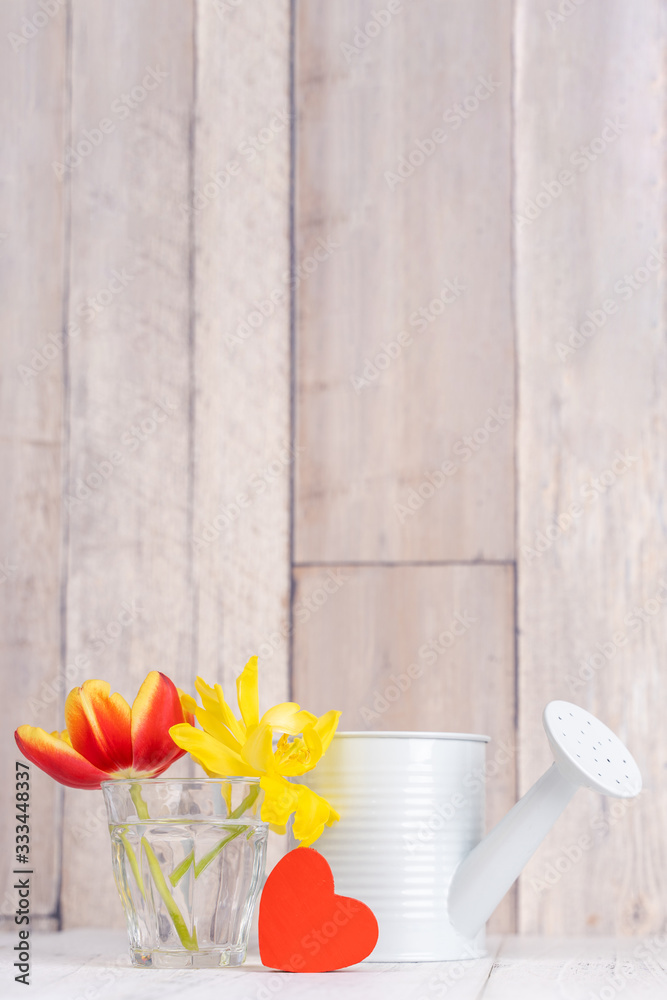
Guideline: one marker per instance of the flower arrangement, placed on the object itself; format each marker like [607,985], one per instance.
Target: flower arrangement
[106,739]
[125,747]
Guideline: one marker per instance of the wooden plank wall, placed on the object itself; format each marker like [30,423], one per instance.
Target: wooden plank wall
[160,418]
[349,471]
[591,628]
[404,420]
[32,265]
[129,554]
[243,454]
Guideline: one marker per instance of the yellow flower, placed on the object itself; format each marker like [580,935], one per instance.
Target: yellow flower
[227,746]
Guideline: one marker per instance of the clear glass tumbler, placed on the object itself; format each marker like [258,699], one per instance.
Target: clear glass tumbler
[188,859]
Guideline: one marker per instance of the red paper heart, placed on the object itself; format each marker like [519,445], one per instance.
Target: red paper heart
[303,926]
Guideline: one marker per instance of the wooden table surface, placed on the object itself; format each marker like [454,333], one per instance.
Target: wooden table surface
[94,965]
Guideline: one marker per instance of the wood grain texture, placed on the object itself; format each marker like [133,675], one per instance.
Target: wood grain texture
[32,233]
[377,415]
[592,433]
[360,629]
[129,595]
[577,967]
[243,458]
[147,461]
[76,963]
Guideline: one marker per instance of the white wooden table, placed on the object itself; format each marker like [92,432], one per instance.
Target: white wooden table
[94,965]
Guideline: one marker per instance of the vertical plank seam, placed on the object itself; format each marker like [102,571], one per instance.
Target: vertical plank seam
[517,790]
[192,357]
[292,340]
[65,439]
[494,962]
[515,329]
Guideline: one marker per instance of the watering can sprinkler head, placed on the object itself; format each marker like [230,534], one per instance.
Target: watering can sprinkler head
[586,753]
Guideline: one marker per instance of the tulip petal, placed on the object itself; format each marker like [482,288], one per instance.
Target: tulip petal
[57,758]
[326,726]
[235,726]
[314,746]
[211,724]
[188,704]
[247,692]
[98,724]
[257,750]
[216,759]
[156,708]
[280,800]
[207,694]
[62,735]
[210,774]
[334,816]
[312,813]
[213,701]
[288,718]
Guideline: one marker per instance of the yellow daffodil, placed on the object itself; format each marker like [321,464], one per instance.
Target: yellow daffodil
[227,746]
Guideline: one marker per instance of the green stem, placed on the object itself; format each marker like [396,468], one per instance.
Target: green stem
[248,801]
[206,860]
[137,798]
[132,858]
[180,870]
[188,940]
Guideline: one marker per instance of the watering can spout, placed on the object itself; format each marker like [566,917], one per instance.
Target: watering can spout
[491,868]
[586,753]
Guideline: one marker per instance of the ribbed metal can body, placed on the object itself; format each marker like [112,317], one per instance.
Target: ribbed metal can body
[411,807]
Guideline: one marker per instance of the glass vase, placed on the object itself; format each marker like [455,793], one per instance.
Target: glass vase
[188,859]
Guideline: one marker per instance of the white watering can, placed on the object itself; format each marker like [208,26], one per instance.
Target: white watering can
[410,844]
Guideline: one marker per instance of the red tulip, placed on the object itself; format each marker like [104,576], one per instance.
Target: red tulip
[105,738]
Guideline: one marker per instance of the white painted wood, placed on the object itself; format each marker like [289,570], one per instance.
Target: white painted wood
[592,80]
[578,968]
[371,436]
[363,632]
[95,963]
[242,459]
[129,594]
[32,244]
